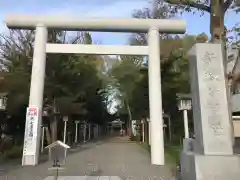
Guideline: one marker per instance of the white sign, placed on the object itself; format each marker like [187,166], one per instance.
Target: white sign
[31,130]
[134,131]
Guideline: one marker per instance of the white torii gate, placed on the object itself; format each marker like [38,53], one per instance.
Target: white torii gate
[151,26]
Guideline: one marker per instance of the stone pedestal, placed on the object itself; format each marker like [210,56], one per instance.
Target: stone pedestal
[212,155]
[188,144]
[209,167]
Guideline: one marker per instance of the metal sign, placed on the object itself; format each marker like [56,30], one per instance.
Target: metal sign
[31,131]
[57,153]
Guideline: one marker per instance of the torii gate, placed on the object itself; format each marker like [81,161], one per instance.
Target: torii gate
[42,23]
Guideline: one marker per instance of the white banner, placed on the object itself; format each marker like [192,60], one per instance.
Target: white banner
[134,126]
[31,130]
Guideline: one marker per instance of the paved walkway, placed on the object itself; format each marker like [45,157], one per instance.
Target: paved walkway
[111,157]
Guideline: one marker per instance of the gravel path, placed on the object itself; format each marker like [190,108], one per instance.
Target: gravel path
[112,157]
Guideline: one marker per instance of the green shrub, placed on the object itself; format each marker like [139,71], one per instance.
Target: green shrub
[14,153]
[6,144]
[172,154]
[176,140]
[133,138]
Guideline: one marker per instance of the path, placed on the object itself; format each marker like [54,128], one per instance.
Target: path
[111,157]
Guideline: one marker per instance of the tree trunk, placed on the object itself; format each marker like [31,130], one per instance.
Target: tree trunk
[217,28]
[129,113]
[54,130]
[48,136]
[217,21]
[54,123]
[129,116]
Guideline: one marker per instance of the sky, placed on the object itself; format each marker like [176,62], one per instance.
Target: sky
[100,8]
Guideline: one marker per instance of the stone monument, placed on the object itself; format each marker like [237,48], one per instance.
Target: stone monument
[212,155]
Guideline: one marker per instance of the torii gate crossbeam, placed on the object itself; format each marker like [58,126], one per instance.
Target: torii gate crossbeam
[151,26]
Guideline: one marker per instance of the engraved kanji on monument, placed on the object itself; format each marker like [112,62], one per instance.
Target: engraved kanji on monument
[210,107]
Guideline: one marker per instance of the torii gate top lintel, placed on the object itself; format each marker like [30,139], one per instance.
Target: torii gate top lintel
[96,24]
[41,46]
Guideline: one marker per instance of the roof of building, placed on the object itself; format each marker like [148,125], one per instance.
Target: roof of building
[184,96]
[58,143]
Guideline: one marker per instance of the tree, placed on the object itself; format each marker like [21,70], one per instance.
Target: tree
[140,96]
[72,76]
[174,75]
[161,11]
[174,62]
[125,74]
[16,51]
[216,9]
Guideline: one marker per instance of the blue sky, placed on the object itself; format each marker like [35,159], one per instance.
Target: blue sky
[100,8]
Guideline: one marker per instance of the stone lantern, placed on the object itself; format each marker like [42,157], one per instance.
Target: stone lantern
[184,105]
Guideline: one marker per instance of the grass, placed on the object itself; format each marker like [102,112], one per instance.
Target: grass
[172,153]
[13,153]
[144,146]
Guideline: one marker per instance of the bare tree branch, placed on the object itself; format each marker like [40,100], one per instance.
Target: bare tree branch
[190,3]
[78,39]
[227,4]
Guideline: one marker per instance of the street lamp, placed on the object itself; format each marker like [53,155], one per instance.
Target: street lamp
[143,130]
[149,131]
[84,131]
[76,130]
[65,120]
[185,104]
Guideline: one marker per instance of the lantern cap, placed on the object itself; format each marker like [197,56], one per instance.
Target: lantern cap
[58,143]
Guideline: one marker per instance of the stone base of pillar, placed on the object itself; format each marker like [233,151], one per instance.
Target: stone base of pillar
[209,167]
[188,144]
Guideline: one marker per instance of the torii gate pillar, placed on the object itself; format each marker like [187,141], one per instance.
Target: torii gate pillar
[151,26]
